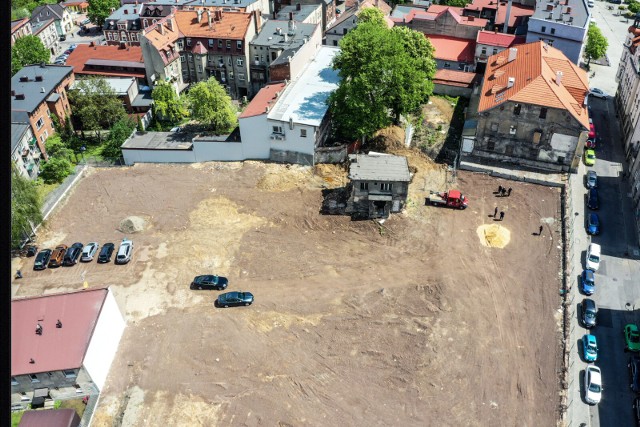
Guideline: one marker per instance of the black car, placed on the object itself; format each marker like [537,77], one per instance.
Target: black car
[73,254]
[588,313]
[235,298]
[32,250]
[210,282]
[636,410]
[106,252]
[634,373]
[592,200]
[42,259]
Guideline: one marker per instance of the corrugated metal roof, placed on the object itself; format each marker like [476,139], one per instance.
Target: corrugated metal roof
[379,167]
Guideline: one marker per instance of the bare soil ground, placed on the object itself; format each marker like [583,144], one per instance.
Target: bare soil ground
[413,322]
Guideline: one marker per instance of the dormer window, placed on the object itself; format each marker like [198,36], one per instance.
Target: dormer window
[188,42]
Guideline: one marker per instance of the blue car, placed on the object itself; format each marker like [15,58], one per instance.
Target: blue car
[589,348]
[587,282]
[593,224]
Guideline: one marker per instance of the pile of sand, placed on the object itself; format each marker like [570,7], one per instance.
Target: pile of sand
[288,177]
[334,176]
[132,224]
[387,139]
[493,235]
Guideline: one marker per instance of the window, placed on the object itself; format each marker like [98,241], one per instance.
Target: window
[277,129]
[303,133]
[50,374]
[241,77]
[180,45]
[14,381]
[494,127]
[69,373]
[116,37]
[230,74]
[199,68]
[220,44]
[229,60]
[484,50]
[543,29]
[516,109]
[239,62]
[543,113]
[335,42]
[228,44]
[386,186]
[190,57]
[491,145]
[39,123]
[537,135]
[553,31]
[109,36]
[512,130]
[344,31]
[364,186]
[182,58]
[210,42]
[494,51]
[34,378]
[239,44]
[188,42]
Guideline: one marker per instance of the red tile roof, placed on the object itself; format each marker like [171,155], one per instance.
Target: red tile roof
[452,48]
[436,10]
[57,348]
[517,10]
[492,38]
[263,99]
[454,78]
[50,418]
[232,25]
[17,24]
[534,72]
[83,53]
[199,49]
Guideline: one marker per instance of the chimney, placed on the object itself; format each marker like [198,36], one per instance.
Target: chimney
[126,12]
[32,361]
[38,329]
[91,44]
[292,26]
[290,16]
[559,78]
[279,31]
[284,37]
[38,78]
[511,82]
[170,24]
[13,92]
[161,29]
[257,20]
[199,12]
[20,96]
[505,27]
[24,78]
[59,323]
[470,18]
[298,6]
[209,18]
[513,53]
[42,89]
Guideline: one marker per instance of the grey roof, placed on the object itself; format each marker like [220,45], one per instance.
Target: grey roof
[269,37]
[159,141]
[17,132]
[378,167]
[298,15]
[347,20]
[402,11]
[143,99]
[127,13]
[181,3]
[115,63]
[579,12]
[52,76]
[285,56]
[55,10]
[37,26]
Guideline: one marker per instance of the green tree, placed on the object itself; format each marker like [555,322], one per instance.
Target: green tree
[28,50]
[210,105]
[55,170]
[456,3]
[596,45]
[168,106]
[119,133]
[58,148]
[99,10]
[95,104]
[26,207]
[373,15]
[634,6]
[385,73]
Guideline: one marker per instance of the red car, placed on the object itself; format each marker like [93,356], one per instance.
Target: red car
[592,131]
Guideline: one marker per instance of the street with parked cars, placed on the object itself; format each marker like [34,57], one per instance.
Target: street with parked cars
[64,255]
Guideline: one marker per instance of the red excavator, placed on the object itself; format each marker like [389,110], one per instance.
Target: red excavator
[452,198]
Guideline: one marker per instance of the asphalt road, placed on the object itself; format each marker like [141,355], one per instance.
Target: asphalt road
[617,292]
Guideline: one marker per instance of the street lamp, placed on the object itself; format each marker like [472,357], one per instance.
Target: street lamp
[82,150]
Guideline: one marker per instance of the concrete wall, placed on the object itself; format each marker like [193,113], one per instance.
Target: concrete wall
[331,154]
[254,136]
[440,89]
[104,341]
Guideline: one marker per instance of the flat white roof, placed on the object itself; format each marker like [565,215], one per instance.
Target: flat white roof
[120,85]
[304,100]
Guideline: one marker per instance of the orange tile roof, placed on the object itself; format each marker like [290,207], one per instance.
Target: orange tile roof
[454,78]
[534,73]
[232,25]
[436,10]
[161,40]
[83,53]
[492,38]
[517,10]
[263,99]
[452,48]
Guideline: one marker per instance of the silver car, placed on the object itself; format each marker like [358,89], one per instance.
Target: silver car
[89,251]
[592,179]
[124,252]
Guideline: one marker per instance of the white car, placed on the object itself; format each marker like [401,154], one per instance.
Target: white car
[598,93]
[592,385]
[593,257]
[124,252]
[89,251]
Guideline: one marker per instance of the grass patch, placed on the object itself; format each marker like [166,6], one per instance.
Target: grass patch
[16,417]
[45,189]
[75,404]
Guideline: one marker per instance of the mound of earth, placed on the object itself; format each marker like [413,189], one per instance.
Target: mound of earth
[387,140]
[132,224]
[493,235]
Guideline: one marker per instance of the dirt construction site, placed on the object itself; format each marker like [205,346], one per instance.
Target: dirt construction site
[436,317]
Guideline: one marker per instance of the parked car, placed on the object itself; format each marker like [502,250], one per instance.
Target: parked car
[32,250]
[593,257]
[63,38]
[587,282]
[106,252]
[42,259]
[124,251]
[592,385]
[73,254]
[589,348]
[592,131]
[58,256]
[636,410]
[89,251]
[73,47]
[235,298]
[85,21]
[589,157]
[634,373]
[591,143]
[593,201]
[59,62]
[588,312]
[598,93]
[592,179]
[210,282]
[68,52]
[631,337]
[591,3]
[593,224]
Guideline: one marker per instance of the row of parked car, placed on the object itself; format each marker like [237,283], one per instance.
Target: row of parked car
[219,283]
[62,58]
[68,256]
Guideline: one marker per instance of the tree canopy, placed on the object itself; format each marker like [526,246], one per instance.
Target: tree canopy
[385,73]
[26,207]
[596,45]
[168,106]
[55,170]
[28,50]
[95,104]
[210,104]
[373,15]
[99,10]
[120,131]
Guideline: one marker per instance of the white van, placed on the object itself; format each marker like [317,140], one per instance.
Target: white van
[593,257]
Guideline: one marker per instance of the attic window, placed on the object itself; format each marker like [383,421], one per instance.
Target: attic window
[516,109]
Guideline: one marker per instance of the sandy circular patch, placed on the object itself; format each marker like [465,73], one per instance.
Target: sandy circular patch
[493,235]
